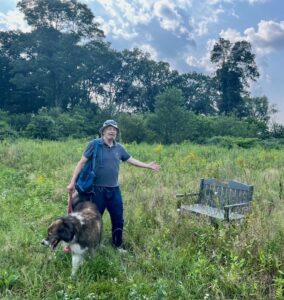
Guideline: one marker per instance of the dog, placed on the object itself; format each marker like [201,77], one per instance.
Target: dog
[81,231]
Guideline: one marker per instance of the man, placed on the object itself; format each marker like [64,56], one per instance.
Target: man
[106,193]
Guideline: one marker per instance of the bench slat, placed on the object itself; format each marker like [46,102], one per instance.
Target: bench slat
[209,211]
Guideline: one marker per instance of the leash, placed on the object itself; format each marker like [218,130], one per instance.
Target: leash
[69,209]
[67,249]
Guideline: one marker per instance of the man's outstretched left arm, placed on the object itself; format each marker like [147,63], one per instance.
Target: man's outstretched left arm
[152,165]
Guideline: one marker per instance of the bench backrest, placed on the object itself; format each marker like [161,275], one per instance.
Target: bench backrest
[220,193]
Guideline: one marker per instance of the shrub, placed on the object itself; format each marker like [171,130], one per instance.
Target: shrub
[132,128]
[41,127]
[230,142]
[273,143]
[6,131]
[19,122]
[170,121]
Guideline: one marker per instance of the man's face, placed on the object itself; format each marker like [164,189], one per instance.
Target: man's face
[110,133]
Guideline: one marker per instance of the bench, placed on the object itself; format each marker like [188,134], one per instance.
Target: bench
[218,200]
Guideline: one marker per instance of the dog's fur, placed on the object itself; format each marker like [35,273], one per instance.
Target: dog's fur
[81,230]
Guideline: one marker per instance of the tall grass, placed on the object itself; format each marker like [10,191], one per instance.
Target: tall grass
[169,257]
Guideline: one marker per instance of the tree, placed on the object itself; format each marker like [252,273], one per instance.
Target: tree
[49,66]
[68,16]
[200,92]
[11,98]
[170,120]
[277,130]
[235,67]
[5,86]
[258,109]
[138,81]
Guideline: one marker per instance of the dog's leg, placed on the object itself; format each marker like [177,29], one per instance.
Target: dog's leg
[77,260]
[77,257]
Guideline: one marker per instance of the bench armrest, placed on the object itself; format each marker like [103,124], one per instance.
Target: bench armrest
[228,207]
[185,195]
[236,205]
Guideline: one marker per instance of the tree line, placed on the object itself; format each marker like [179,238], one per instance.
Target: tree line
[63,65]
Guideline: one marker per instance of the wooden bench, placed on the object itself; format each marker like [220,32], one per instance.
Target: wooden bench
[219,200]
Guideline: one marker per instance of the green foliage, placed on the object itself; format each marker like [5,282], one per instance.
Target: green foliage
[200,92]
[258,109]
[63,62]
[5,129]
[277,130]
[139,80]
[41,127]
[228,126]
[19,122]
[55,124]
[235,67]
[132,127]
[85,121]
[71,80]
[271,143]
[170,123]
[71,16]
[7,280]
[230,142]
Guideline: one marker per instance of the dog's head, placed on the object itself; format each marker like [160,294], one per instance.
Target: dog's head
[61,229]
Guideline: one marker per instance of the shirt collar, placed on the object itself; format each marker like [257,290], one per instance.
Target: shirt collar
[104,143]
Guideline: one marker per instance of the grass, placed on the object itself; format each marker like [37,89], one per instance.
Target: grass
[169,257]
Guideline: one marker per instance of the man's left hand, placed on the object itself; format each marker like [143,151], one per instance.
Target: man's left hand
[154,166]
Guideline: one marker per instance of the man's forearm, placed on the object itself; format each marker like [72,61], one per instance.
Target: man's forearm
[152,165]
[137,163]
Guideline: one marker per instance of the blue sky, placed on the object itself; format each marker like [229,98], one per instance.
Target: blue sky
[182,32]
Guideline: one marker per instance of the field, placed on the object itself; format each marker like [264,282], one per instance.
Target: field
[169,257]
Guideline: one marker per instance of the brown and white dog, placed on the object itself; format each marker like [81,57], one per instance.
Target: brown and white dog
[81,230]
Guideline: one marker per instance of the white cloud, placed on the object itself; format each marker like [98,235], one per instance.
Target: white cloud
[185,4]
[136,12]
[167,15]
[204,61]
[148,49]
[122,31]
[13,20]
[234,14]
[193,61]
[231,35]
[256,1]
[268,37]
[110,27]
[122,17]
[200,22]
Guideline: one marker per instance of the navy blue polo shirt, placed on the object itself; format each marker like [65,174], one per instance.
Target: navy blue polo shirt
[107,162]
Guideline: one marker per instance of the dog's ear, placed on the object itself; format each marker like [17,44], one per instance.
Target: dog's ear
[66,231]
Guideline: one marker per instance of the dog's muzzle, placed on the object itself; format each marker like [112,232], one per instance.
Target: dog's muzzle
[45,242]
[48,243]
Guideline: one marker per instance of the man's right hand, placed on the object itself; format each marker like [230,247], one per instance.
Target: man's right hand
[71,188]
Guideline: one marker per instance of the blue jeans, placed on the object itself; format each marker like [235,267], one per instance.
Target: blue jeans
[110,198]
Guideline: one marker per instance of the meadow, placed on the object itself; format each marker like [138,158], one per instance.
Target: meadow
[169,257]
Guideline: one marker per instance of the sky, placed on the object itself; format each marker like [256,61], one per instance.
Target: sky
[183,32]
